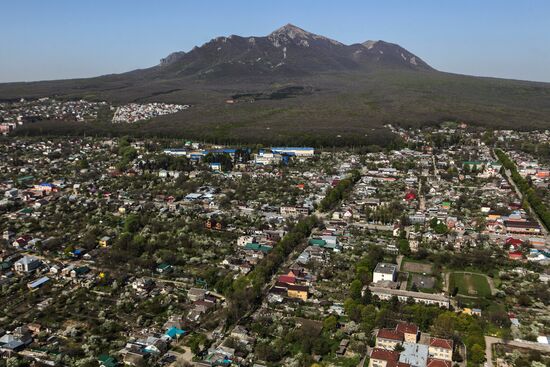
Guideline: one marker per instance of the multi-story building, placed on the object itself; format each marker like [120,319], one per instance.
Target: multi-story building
[441,349]
[410,331]
[402,295]
[384,272]
[388,339]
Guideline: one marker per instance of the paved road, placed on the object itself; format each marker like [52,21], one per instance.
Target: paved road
[490,341]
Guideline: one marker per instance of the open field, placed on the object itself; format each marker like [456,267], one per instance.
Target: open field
[469,284]
[416,267]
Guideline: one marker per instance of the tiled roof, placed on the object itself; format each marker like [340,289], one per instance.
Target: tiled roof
[434,362]
[407,328]
[384,355]
[441,343]
[390,334]
[286,279]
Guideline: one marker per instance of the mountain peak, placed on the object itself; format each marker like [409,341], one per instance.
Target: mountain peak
[370,44]
[291,31]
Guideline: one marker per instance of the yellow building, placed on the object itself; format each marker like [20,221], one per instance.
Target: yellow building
[105,241]
[297,291]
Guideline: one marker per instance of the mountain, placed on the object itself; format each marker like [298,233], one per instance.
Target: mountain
[296,86]
[288,51]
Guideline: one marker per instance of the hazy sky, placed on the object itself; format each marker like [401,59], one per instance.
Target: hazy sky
[52,39]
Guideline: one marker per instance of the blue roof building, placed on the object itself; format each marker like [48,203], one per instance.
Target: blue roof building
[38,283]
[174,332]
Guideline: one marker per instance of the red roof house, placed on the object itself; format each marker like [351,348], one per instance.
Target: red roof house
[407,328]
[434,362]
[390,334]
[515,255]
[287,279]
[441,343]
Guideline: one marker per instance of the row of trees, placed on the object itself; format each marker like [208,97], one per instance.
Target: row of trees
[339,192]
[525,188]
[126,152]
[167,162]
[247,291]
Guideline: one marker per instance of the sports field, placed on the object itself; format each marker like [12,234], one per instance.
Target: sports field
[416,267]
[472,285]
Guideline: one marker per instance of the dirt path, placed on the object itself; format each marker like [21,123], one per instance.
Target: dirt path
[399,260]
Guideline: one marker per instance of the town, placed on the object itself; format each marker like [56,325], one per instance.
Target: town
[15,114]
[166,252]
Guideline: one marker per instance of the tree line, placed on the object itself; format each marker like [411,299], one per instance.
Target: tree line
[339,192]
[246,292]
[525,188]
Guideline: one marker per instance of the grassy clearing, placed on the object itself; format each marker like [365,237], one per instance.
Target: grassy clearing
[471,285]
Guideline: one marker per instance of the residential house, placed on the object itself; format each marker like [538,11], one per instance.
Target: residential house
[384,358]
[389,339]
[196,294]
[441,349]
[27,264]
[297,291]
[105,241]
[410,331]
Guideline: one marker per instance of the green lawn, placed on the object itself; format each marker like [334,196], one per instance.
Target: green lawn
[473,285]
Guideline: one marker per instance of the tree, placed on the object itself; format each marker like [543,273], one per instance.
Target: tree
[83,164]
[355,289]
[195,342]
[131,224]
[404,247]
[13,362]
[330,323]
[367,297]
[444,325]
[363,274]
[524,300]
[455,291]
[476,354]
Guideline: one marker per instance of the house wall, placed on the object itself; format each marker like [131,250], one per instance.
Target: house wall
[377,277]
[410,338]
[441,353]
[386,296]
[377,363]
[388,344]
[297,294]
